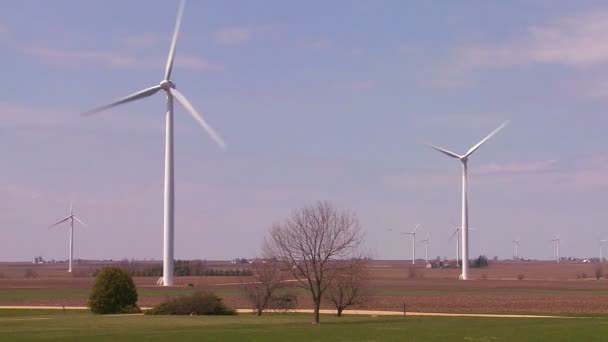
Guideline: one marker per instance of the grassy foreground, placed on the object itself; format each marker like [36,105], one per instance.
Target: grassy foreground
[27,325]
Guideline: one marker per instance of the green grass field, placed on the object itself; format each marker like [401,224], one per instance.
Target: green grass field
[27,325]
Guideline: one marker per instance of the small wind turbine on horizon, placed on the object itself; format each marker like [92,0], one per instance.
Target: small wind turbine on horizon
[602,242]
[455,234]
[71,218]
[172,93]
[516,242]
[413,234]
[426,242]
[556,240]
[465,212]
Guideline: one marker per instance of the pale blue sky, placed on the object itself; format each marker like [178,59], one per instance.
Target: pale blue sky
[316,100]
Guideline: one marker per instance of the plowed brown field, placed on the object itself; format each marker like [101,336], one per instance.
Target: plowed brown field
[547,287]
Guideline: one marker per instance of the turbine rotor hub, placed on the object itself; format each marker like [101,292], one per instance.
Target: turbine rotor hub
[167,85]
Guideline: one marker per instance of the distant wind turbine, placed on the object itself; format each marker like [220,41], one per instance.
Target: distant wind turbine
[465,212]
[516,242]
[169,87]
[413,234]
[426,242]
[602,242]
[455,234]
[71,218]
[556,240]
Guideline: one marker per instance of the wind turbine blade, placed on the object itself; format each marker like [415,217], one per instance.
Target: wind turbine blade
[186,104]
[444,151]
[454,234]
[65,219]
[178,23]
[416,228]
[494,132]
[80,221]
[130,98]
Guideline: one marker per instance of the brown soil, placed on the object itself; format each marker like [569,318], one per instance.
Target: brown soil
[547,287]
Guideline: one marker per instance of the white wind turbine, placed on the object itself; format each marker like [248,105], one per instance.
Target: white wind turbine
[602,242]
[71,218]
[426,242]
[169,87]
[413,234]
[465,212]
[516,243]
[556,240]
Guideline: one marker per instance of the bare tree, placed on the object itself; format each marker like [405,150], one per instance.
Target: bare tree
[267,279]
[349,284]
[310,241]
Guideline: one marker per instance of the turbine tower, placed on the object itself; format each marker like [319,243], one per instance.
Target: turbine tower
[465,212]
[71,218]
[602,242]
[556,240]
[516,242]
[426,242]
[413,234]
[169,87]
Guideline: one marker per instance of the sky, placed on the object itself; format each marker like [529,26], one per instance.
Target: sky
[316,100]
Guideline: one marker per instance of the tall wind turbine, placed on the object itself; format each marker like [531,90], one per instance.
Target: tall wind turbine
[465,212]
[71,218]
[426,242]
[516,243]
[169,87]
[556,240]
[413,234]
[602,242]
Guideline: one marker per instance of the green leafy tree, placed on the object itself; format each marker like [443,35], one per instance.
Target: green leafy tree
[113,292]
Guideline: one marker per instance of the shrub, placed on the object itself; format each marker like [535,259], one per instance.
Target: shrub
[284,302]
[599,272]
[412,272]
[198,303]
[260,292]
[113,292]
[520,276]
[481,261]
[30,274]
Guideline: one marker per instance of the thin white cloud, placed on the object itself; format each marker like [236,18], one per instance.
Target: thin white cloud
[15,115]
[18,191]
[63,56]
[546,176]
[142,40]
[355,85]
[234,35]
[116,59]
[517,167]
[197,63]
[465,120]
[577,41]
[317,44]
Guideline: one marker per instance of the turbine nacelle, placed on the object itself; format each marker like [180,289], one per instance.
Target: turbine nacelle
[166,85]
